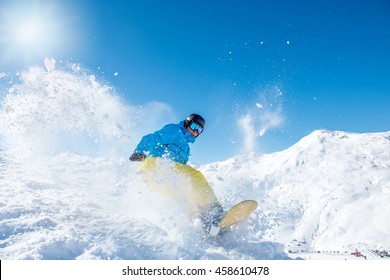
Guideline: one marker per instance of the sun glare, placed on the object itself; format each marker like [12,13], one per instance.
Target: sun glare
[35,29]
[29,33]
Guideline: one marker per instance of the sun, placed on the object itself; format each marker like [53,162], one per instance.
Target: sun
[24,27]
[28,33]
[33,30]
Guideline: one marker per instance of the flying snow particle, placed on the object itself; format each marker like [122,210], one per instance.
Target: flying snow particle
[262,132]
[50,64]
[259,105]
[124,139]
[93,81]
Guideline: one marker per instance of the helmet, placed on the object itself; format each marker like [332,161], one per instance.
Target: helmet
[196,119]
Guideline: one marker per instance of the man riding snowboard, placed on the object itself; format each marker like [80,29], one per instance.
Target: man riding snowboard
[171,142]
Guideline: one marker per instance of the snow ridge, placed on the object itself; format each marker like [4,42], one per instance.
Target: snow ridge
[330,191]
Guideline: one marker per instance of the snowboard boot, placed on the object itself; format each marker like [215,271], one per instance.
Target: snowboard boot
[210,217]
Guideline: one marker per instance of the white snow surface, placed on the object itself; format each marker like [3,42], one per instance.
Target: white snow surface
[328,192]
[68,190]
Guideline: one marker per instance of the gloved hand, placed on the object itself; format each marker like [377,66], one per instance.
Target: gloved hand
[137,157]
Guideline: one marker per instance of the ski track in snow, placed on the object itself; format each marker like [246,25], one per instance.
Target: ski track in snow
[68,191]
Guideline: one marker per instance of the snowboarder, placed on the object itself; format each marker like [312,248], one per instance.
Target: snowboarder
[171,142]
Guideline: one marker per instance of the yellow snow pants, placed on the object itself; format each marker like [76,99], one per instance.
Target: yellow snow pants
[180,181]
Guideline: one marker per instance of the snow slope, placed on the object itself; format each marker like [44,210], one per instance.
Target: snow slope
[68,191]
[329,191]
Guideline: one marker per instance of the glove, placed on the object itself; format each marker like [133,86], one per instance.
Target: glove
[137,157]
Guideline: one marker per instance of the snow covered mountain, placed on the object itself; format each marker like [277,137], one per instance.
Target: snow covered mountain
[329,191]
[68,192]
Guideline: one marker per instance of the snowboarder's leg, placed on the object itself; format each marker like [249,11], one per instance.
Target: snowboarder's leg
[201,192]
[198,196]
[149,164]
[159,176]
[205,203]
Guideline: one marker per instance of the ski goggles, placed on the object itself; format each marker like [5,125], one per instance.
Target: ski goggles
[196,127]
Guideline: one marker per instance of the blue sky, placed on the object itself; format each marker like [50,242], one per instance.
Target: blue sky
[263,73]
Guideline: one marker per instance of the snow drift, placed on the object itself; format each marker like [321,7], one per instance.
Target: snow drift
[68,191]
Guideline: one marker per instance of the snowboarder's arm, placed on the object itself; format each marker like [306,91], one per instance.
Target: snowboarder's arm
[147,144]
[151,142]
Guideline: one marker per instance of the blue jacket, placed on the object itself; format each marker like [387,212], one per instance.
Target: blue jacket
[169,142]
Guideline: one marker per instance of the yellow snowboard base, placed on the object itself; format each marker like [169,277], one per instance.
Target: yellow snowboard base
[238,213]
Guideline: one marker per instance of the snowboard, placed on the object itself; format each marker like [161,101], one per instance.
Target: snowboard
[236,214]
